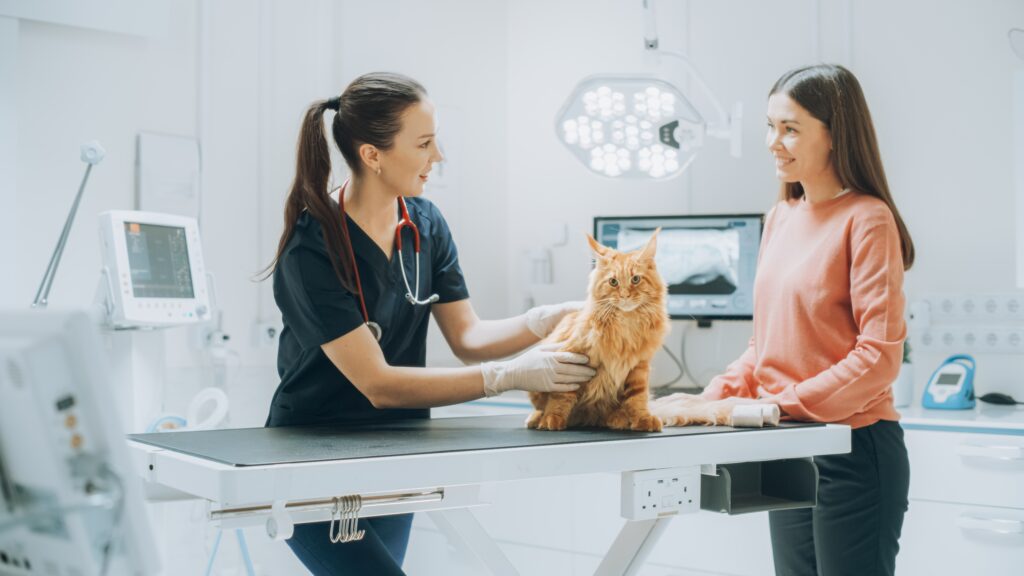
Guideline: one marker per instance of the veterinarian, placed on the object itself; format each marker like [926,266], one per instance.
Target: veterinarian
[828,323]
[356,289]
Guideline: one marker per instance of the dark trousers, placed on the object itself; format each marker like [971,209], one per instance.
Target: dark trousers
[855,528]
[380,552]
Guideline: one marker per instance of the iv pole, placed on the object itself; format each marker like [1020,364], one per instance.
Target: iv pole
[92,154]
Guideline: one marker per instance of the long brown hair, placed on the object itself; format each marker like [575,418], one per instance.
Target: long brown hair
[369,111]
[833,95]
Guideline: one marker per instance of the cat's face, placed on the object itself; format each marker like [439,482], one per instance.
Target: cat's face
[627,280]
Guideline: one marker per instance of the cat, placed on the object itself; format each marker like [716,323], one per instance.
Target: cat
[619,329]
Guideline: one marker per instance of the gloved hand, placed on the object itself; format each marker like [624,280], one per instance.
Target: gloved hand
[542,369]
[541,320]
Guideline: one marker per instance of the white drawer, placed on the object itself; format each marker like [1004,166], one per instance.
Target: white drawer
[984,469]
[941,538]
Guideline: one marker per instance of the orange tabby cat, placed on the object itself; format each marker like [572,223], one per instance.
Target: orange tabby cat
[619,329]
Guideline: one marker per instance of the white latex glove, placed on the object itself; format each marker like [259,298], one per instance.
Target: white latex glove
[541,320]
[542,369]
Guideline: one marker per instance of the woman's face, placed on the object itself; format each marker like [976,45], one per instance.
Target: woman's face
[800,143]
[406,165]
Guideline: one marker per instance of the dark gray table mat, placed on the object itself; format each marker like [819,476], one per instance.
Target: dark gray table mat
[289,445]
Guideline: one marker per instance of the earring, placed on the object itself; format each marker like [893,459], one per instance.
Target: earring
[378,170]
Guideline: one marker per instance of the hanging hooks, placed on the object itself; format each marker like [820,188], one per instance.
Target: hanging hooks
[345,513]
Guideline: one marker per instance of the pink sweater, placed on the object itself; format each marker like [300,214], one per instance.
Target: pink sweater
[828,313]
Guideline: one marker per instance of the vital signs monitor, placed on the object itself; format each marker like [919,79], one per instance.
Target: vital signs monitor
[154,269]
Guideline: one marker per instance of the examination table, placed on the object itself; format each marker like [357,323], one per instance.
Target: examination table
[277,477]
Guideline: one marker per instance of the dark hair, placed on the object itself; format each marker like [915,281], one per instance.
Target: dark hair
[369,111]
[832,94]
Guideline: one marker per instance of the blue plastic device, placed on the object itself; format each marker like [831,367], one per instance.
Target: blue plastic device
[951,386]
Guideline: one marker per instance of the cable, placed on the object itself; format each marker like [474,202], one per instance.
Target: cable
[680,363]
[34,514]
[682,355]
[118,515]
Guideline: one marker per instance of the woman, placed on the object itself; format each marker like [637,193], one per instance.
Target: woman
[828,323]
[355,308]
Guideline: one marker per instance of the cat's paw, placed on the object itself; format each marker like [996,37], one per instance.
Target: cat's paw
[533,419]
[552,422]
[646,423]
[617,421]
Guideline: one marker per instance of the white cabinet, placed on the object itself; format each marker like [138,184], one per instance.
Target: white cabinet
[966,503]
[945,538]
[968,468]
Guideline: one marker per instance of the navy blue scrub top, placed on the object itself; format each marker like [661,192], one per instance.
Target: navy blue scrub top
[317,309]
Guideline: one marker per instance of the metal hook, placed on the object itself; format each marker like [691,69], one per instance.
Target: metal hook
[356,533]
[346,514]
[330,527]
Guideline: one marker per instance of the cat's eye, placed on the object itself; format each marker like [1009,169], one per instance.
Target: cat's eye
[635,280]
[614,282]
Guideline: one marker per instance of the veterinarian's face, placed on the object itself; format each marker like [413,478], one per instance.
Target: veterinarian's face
[405,167]
[800,143]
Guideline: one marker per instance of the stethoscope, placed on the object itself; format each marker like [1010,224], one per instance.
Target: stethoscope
[410,297]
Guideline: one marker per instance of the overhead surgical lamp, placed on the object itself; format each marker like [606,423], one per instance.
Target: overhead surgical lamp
[641,126]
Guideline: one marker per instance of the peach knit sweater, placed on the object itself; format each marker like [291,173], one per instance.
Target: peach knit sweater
[828,313]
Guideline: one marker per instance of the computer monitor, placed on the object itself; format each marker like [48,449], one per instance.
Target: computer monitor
[707,261]
[154,269]
[69,501]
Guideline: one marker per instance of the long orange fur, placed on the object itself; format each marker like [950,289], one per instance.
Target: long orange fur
[619,329]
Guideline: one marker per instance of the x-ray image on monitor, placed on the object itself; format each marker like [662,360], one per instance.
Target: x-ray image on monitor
[708,262]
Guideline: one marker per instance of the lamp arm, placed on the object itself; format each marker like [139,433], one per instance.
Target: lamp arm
[723,118]
[650,26]
[92,154]
[51,269]
[651,43]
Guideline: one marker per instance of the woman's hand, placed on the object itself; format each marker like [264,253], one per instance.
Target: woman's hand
[688,409]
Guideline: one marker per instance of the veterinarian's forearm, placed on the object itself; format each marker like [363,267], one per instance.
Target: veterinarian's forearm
[494,339]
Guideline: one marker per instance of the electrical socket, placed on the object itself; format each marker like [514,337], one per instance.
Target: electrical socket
[972,339]
[998,308]
[266,334]
[648,494]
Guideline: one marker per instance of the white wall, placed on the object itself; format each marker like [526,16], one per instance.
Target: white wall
[739,59]
[458,50]
[940,90]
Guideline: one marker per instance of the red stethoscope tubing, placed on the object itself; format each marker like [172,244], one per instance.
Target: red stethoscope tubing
[403,222]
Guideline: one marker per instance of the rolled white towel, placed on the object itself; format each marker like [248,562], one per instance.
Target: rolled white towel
[770,414]
[747,416]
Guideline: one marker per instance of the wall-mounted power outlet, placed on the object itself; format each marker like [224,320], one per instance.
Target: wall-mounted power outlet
[648,494]
[266,334]
[1005,307]
[972,339]
[979,323]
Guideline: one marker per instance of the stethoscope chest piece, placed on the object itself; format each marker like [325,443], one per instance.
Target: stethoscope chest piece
[375,329]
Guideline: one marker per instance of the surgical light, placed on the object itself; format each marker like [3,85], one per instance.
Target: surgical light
[630,126]
[638,126]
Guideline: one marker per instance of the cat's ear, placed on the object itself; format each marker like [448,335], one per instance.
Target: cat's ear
[652,246]
[598,249]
